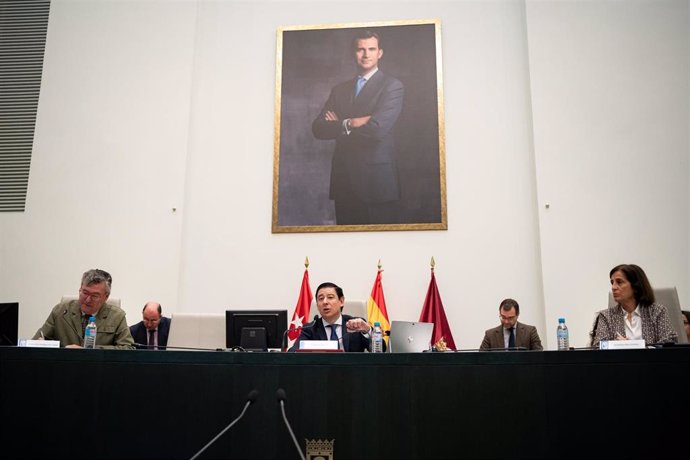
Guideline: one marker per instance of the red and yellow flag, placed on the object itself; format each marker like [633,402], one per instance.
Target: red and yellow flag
[376,306]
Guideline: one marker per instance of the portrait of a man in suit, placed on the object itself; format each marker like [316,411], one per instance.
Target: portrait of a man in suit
[360,115]
[359,141]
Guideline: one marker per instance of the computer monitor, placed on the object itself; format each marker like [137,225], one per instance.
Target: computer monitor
[9,323]
[255,330]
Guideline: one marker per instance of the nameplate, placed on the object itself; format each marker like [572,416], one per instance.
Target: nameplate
[621,344]
[39,343]
[311,345]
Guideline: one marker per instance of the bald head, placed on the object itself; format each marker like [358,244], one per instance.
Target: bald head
[152,315]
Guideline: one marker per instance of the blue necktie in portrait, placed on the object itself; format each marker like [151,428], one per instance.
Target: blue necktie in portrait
[360,84]
[334,334]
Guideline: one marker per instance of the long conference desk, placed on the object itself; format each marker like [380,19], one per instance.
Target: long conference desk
[109,404]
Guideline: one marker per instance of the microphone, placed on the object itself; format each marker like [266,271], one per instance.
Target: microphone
[294,329]
[280,394]
[251,397]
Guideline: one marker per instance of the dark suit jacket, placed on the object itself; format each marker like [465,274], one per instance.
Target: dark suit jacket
[526,336]
[364,162]
[141,335]
[352,341]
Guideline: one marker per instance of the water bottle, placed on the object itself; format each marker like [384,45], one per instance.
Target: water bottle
[377,339]
[90,333]
[562,334]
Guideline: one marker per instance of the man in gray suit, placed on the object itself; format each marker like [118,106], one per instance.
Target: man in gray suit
[511,334]
[360,115]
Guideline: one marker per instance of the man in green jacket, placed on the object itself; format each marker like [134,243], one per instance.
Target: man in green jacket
[68,319]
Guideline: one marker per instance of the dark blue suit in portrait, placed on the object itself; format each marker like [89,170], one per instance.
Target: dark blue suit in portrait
[364,166]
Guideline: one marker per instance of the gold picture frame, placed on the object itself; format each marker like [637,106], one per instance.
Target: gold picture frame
[401,142]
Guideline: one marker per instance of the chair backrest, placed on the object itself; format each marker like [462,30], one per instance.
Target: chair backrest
[114,301]
[668,297]
[356,308]
[197,330]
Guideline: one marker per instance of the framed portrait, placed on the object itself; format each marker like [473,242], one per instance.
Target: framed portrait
[359,128]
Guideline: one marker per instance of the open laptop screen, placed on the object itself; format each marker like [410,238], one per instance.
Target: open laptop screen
[410,337]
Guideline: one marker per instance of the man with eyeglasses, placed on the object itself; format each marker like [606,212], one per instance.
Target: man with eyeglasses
[68,319]
[511,334]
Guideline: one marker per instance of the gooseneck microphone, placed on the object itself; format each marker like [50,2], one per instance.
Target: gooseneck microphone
[293,329]
[280,394]
[251,397]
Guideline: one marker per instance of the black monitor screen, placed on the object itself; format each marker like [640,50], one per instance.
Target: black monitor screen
[255,330]
[9,323]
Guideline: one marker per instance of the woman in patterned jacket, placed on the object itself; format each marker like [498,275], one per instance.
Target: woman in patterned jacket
[636,315]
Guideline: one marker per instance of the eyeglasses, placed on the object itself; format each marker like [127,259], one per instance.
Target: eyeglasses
[94,296]
[507,318]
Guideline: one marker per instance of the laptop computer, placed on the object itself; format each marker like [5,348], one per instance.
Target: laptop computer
[410,336]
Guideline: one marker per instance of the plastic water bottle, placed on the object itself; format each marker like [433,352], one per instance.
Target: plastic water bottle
[90,333]
[377,339]
[562,335]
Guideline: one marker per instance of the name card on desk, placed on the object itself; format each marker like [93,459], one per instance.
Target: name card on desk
[621,344]
[39,343]
[320,345]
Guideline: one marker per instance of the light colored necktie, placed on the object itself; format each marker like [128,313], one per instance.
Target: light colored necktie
[360,84]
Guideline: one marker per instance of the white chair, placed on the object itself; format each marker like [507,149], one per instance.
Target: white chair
[668,297]
[201,331]
[114,301]
[356,308]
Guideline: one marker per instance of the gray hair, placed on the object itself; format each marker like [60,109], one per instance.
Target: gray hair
[96,276]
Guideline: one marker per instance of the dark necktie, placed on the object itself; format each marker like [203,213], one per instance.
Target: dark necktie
[511,339]
[334,334]
[84,323]
[152,342]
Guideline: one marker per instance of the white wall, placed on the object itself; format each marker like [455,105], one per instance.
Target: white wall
[109,157]
[610,104]
[155,105]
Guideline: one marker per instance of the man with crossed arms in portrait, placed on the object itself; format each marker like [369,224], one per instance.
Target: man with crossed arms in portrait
[360,115]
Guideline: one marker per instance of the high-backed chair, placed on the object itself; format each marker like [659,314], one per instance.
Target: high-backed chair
[197,331]
[668,297]
[356,308]
[111,300]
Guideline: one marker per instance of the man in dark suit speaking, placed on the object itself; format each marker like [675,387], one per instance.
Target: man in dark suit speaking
[360,115]
[353,334]
[152,332]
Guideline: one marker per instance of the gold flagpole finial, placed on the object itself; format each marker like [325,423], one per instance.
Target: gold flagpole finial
[379,265]
[306,263]
[433,263]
